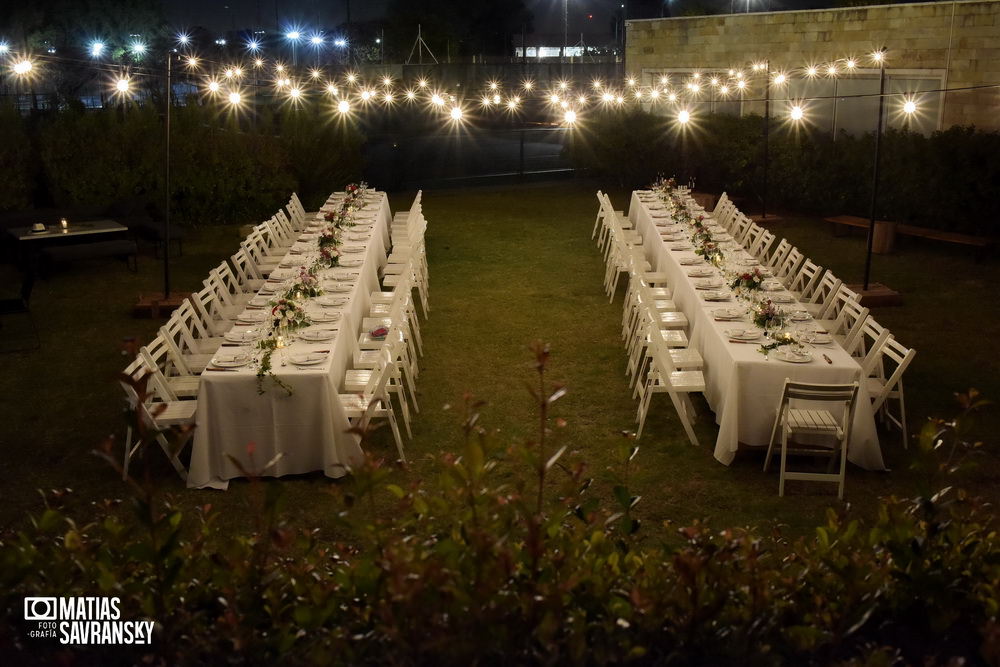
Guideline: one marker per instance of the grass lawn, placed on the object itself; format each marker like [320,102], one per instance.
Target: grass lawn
[509,265]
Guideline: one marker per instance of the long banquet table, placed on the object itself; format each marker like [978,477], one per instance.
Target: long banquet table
[743,386]
[309,427]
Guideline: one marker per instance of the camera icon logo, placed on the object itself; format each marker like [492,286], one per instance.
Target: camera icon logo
[40,609]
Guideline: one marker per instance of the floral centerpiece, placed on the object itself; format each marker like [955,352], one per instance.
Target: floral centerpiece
[329,247]
[329,257]
[711,251]
[767,316]
[288,315]
[306,285]
[748,280]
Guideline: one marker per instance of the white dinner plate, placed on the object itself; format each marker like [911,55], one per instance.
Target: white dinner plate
[708,283]
[259,301]
[318,335]
[690,261]
[241,336]
[332,301]
[325,317]
[743,334]
[351,263]
[307,359]
[230,360]
[781,298]
[715,295]
[787,354]
[701,273]
[353,249]
[252,317]
[727,314]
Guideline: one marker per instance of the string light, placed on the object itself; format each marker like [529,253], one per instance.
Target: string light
[331,89]
[411,95]
[191,62]
[386,81]
[456,113]
[343,106]
[137,48]
[909,107]
[235,98]
[630,82]
[96,49]
[22,67]
[315,74]
[183,39]
[253,45]
[570,117]
[493,85]
[258,63]
[122,85]
[437,100]
[683,117]
[528,85]
[366,95]
[4,47]
[597,85]
[811,71]
[779,79]
[422,83]
[513,103]
[295,93]
[851,63]
[664,80]
[213,86]
[796,113]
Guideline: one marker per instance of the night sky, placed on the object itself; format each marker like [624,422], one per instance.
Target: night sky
[589,16]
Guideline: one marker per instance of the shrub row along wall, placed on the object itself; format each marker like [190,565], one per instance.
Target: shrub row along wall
[949,180]
[220,172]
[958,40]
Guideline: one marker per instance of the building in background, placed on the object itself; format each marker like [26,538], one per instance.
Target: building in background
[930,46]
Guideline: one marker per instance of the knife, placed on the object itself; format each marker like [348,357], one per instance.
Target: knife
[828,360]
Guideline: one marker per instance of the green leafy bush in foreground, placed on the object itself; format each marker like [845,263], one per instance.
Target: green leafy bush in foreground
[538,571]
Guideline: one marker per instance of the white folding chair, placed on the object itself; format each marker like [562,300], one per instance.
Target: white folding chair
[846,328]
[664,377]
[156,409]
[156,355]
[373,402]
[885,382]
[823,295]
[812,423]
[804,280]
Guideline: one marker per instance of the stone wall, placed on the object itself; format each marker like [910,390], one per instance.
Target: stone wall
[961,39]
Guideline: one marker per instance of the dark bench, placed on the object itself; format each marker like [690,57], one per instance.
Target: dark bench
[98,250]
[978,242]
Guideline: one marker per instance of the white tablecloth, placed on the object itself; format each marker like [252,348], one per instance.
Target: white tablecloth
[308,428]
[743,387]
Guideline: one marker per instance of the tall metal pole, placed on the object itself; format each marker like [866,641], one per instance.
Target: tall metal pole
[562,52]
[875,171]
[166,220]
[767,131]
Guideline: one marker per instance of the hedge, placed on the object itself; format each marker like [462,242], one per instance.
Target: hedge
[222,169]
[948,180]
